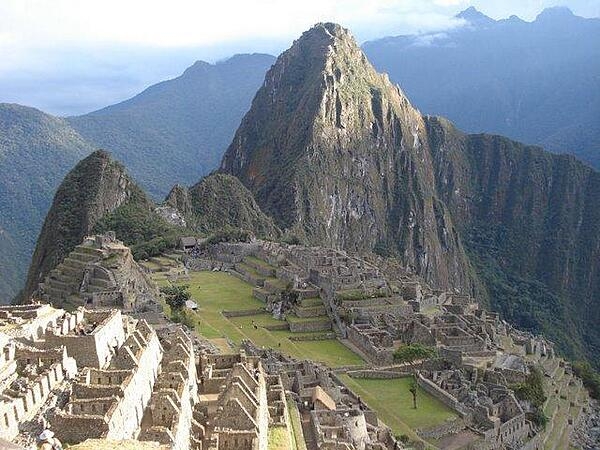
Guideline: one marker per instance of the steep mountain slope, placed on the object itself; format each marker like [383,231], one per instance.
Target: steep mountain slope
[177,130]
[536,82]
[219,202]
[531,222]
[94,188]
[335,152]
[36,151]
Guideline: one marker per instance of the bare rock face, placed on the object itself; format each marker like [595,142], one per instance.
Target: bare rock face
[95,187]
[335,153]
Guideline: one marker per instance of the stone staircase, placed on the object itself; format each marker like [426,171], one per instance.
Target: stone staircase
[309,314]
[65,280]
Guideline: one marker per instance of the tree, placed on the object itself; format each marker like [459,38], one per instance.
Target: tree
[411,354]
[176,296]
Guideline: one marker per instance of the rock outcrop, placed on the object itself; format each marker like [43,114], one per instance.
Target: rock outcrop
[335,152]
[93,188]
[220,201]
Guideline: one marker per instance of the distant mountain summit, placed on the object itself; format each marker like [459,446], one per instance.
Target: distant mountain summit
[475,17]
[177,130]
[536,82]
[335,152]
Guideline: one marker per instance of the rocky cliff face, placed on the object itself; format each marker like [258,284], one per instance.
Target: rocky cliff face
[527,217]
[93,188]
[218,202]
[335,152]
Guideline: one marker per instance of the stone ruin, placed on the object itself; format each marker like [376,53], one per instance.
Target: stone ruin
[375,313]
[94,374]
[332,416]
[100,273]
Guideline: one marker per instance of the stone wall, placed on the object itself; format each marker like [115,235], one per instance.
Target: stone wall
[447,399]
[94,349]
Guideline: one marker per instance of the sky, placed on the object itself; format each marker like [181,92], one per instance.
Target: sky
[69,57]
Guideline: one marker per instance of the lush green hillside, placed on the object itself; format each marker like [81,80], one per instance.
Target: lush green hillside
[531,223]
[36,151]
[535,82]
[93,189]
[220,202]
[177,130]
[173,131]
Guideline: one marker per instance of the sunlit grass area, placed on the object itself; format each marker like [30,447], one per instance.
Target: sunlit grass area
[215,292]
[393,402]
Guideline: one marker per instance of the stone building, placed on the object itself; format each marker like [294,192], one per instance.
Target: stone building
[28,374]
[234,403]
[168,417]
[109,401]
[100,273]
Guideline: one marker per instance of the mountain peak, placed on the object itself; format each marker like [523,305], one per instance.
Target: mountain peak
[474,16]
[328,29]
[555,12]
[322,35]
[96,186]
[198,67]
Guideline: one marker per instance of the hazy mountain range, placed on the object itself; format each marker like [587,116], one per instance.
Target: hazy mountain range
[537,82]
[334,154]
[505,76]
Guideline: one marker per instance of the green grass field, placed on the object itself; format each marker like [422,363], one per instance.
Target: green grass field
[393,402]
[218,291]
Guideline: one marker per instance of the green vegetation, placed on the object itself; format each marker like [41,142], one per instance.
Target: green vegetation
[36,152]
[298,435]
[139,227]
[410,354]
[591,378]
[393,403]
[279,439]
[97,184]
[215,292]
[177,130]
[521,300]
[176,295]
[532,390]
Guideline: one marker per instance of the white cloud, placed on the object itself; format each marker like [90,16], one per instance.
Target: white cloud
[189,22]
[144,41]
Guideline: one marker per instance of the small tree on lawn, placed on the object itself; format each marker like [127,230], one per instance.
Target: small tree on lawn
[176,296]
[411,354]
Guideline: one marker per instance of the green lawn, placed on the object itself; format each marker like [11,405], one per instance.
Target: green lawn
[218,291]
[393,402]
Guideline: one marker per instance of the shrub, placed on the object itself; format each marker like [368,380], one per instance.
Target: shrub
[590,378]
[176,296]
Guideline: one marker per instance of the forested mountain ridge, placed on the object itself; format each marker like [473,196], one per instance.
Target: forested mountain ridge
[36,151]
[536,82]
[177,130]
